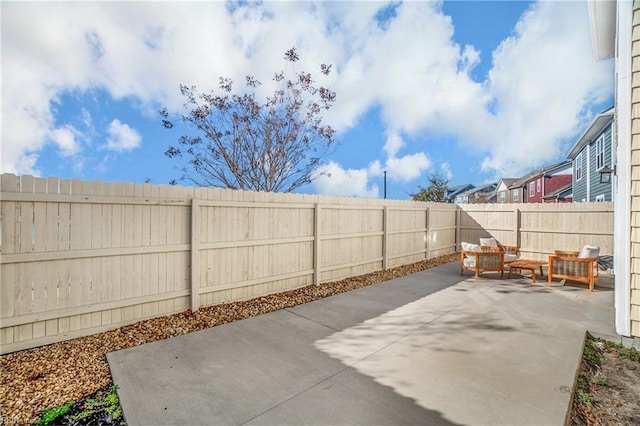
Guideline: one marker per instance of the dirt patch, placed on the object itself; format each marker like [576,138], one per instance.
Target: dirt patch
[608,385]
[54,375]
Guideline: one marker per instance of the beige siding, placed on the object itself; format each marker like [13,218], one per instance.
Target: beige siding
[635,175]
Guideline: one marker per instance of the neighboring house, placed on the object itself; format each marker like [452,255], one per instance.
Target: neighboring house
[503,191]
[564,194]
[479,195]
[452,193]
[611,23]
[540,183]
[517,189]
[592,152]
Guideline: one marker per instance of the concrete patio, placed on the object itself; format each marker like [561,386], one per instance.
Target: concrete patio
[429,348]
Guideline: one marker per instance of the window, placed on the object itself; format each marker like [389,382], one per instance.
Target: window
[532,189]
[538,184]
[515,194]
[503,196]
[578,167]
[600,198]
[600,152]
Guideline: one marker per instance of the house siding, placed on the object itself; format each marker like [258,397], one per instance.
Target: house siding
[519,198]
[598,188]
[635,174]
[554,182]
[544,185]
[580,186]
[589,187]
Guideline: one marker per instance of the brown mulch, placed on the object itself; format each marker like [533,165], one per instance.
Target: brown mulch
[49,376]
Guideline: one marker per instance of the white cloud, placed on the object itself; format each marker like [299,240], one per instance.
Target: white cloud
[393,144]
[65,138]
[445,169]
[122,137]
[412,70]
[408,167]
[542,79]
[335,180]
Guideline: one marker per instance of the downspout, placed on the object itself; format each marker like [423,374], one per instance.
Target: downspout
[622,180]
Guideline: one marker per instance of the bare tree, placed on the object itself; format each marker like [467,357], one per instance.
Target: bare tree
[244,143]
[437,190]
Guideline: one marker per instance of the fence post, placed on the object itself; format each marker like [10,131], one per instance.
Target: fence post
[517,225]
[457,227]
[427,241]
[316,243]
[385,238]
[195,254]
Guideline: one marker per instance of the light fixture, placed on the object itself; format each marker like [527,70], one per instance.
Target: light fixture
[605,174]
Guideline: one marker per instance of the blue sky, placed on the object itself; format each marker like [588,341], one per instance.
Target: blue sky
[474,90]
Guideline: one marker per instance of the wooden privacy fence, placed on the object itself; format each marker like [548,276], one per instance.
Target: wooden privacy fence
[83,257]
[539,229]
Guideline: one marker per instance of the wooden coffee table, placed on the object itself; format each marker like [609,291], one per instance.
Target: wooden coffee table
[530,265]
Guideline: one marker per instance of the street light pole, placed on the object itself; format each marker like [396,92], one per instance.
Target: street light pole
[385,184]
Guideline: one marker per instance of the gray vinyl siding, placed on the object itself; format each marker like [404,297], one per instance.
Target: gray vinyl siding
[598,188]
[580,186]
[590,171]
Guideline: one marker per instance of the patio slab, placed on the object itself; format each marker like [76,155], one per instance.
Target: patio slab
[429,348]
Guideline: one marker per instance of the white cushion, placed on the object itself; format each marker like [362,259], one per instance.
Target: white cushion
[490,242]
[466,246]
[510,258]
[470,262]
[589,252]
[470,247]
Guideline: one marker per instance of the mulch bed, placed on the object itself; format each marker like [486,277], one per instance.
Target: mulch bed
[53,375]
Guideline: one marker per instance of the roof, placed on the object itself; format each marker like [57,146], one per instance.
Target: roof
[456,190]
[596,126]
[560,191]
[534,174]
[489,187]
[507,182]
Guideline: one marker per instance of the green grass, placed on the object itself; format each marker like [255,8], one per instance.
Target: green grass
[103,402]
[584,397]
[50,415]
[106,401]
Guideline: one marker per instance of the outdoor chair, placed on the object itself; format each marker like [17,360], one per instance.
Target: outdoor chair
[579,266]
[474,258]
[510,252]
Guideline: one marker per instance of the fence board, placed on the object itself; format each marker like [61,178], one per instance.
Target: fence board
[82,257]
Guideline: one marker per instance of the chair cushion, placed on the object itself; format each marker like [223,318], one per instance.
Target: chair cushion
[470,262]
[470,247]
[510,258]
[466,246]
[589,252]
[491,242]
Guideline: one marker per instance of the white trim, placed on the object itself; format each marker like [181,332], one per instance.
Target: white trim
[588,172]
[600,198]
[600,142]
[622,180]
[580,167]
[601,21]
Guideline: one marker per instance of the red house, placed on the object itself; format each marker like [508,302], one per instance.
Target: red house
[550,185]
